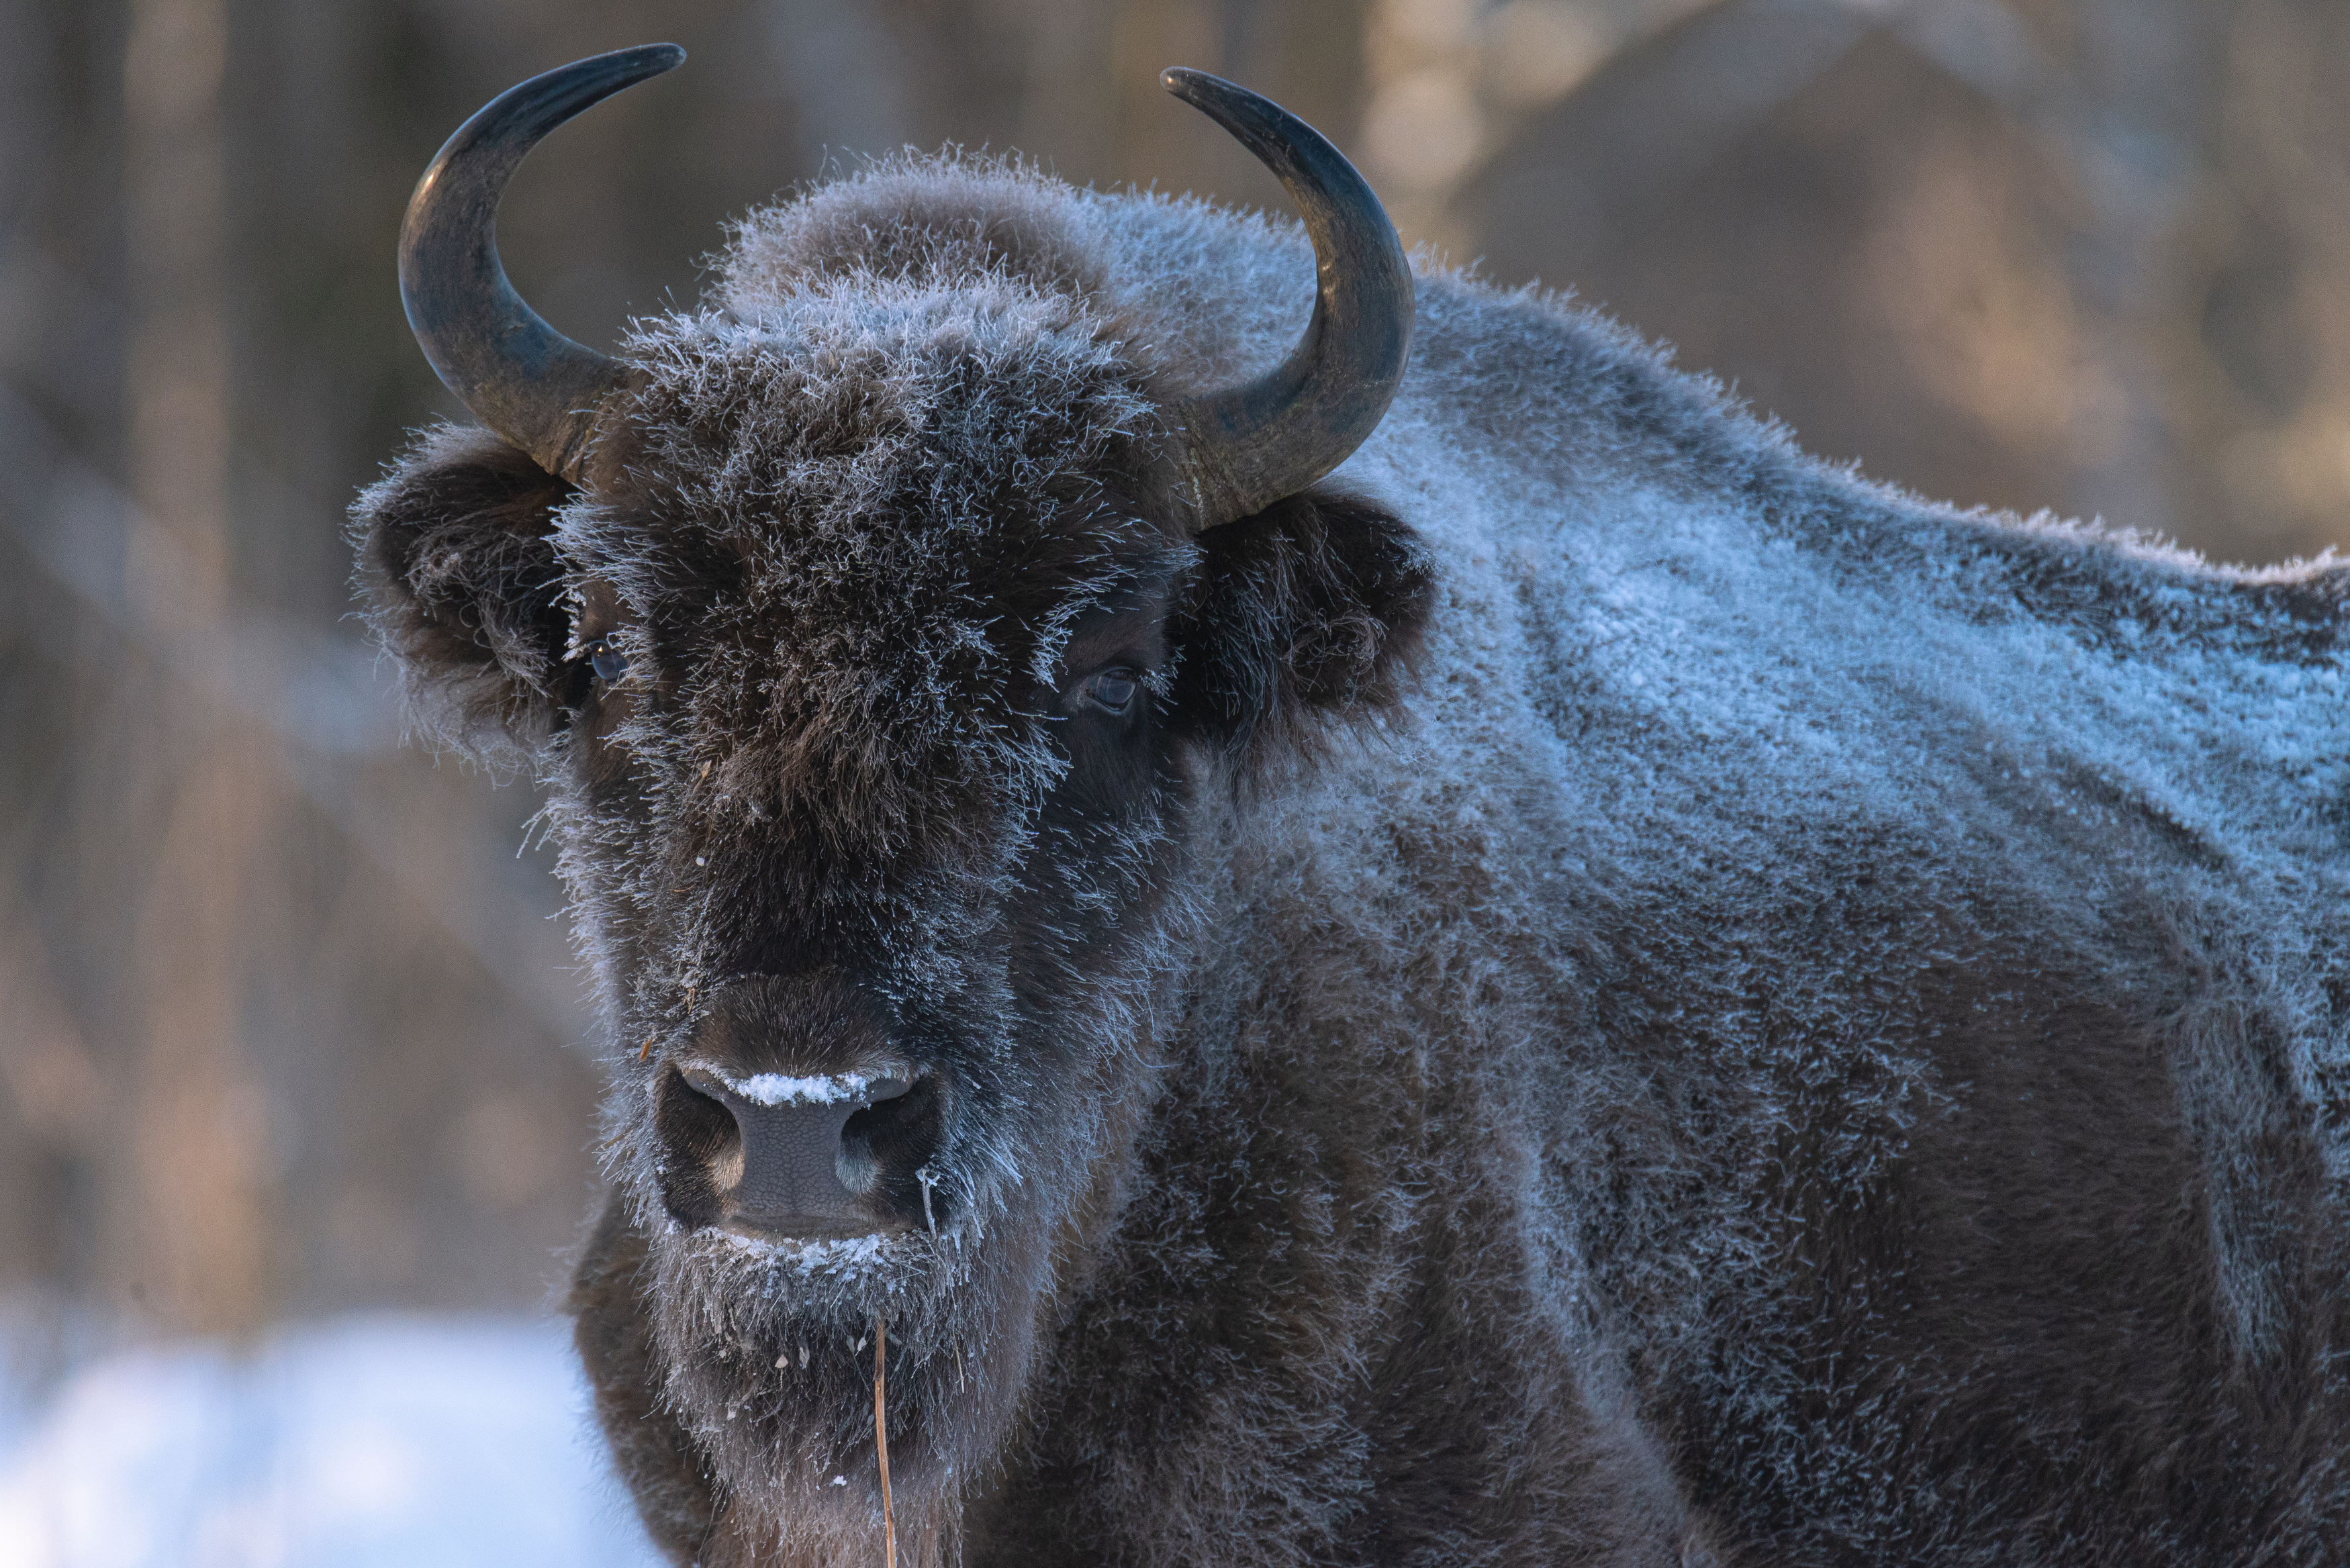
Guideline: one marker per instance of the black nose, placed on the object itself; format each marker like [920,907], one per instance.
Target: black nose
[800,1157]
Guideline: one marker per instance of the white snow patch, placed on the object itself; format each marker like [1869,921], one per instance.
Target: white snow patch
[384,1440]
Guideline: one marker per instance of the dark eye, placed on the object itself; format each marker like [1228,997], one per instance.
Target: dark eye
[1114,689]
[609,662]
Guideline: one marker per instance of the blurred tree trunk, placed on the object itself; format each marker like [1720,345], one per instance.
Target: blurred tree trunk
[189,1221]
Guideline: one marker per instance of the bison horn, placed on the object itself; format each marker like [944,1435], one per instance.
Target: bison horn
[1238,450]
[519,376]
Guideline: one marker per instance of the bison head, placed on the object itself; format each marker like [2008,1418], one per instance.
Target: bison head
[888,640]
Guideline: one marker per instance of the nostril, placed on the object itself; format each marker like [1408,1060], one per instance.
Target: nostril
[885,1145]
[858,1164]
[694,1124]
[704,1146]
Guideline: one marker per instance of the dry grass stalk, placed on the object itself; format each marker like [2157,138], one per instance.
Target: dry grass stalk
[881,1439]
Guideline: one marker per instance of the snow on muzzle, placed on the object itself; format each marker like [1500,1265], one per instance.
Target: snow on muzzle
[784,1158]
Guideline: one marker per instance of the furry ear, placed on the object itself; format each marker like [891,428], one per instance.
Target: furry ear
[1313,607]
[458,570]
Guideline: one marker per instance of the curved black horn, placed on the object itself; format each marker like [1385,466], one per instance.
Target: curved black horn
[519,376]
[1245,447]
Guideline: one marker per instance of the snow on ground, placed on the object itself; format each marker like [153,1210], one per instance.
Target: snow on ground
[368,1441]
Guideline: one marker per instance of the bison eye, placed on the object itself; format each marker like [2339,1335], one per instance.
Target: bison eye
[611,662]
[1114,689]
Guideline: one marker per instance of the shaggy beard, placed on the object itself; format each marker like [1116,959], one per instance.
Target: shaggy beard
[767,1353]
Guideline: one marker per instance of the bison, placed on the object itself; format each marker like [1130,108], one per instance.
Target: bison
[1411,942]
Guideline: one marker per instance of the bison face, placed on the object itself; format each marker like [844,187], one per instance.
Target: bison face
[887,647]
[882,730]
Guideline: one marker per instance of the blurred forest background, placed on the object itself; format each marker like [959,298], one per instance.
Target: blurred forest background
[288,1027]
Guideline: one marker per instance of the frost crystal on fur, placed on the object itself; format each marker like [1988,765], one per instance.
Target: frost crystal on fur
[1630,997]
[775,1089]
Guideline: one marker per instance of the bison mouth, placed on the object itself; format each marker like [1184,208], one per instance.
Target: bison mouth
[780,1159]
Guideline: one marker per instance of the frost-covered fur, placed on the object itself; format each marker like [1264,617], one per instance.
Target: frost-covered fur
[1812,1033]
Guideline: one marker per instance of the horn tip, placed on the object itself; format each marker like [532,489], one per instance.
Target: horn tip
[1186,83]
[638,63]
[644,60]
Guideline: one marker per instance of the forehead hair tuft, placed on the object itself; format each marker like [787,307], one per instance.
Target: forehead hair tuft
[856,512]
[912,218]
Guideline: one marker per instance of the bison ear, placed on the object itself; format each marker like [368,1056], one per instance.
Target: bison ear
[458,569]
[1310,609]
